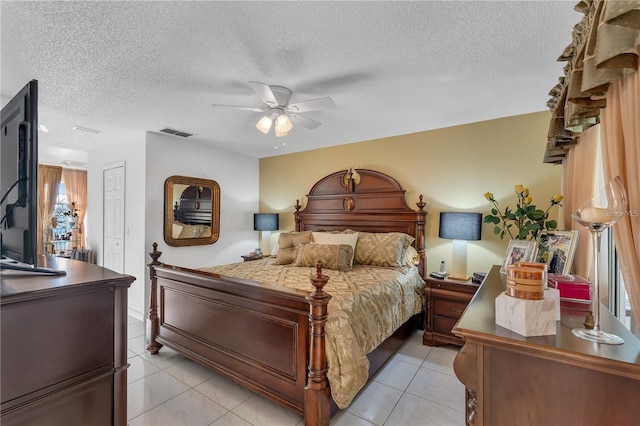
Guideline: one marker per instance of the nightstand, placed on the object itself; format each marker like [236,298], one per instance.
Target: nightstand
[250,257]
[445,302]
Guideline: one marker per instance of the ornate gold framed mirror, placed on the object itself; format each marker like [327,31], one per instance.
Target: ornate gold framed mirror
[191,211]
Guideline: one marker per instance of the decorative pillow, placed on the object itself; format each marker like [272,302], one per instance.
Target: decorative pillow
[331,238]
[287,249]
[332,256]
[382,249]
[411,257]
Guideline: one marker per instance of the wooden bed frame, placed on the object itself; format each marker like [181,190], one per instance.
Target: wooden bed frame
[268,338]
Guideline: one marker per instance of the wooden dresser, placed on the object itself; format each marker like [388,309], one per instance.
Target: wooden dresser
[546,380]
[64,346]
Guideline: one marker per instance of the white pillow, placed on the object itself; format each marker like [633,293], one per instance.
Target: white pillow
[330,238]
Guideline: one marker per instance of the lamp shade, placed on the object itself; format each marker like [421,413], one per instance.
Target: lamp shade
[266,221]
[460,226]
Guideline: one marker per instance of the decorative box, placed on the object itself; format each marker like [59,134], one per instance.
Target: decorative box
[571,287]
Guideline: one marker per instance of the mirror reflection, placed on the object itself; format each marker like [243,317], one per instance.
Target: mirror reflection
[192,211]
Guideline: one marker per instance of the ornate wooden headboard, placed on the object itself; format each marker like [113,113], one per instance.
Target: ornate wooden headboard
[362,200]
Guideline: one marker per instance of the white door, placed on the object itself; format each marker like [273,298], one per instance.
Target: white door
[113,219]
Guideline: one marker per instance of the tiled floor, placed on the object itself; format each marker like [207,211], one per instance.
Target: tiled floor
[416,387]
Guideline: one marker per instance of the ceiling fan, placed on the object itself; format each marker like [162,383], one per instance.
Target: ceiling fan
[278,109]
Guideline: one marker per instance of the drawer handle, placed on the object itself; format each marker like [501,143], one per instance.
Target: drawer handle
[457,311]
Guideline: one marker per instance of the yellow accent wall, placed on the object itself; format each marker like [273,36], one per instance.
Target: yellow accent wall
[451,167]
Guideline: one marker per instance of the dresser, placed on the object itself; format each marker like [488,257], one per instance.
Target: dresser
[445,301]
[544,380]
[64,346]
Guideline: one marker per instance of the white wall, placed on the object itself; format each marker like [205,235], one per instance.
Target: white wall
[130,152]
[150,158]
[238,177]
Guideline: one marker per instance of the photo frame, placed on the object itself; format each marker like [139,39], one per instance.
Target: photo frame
[519,251]
[556,249]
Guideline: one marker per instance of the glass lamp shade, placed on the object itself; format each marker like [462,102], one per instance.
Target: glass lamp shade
[283,125]
[264,125]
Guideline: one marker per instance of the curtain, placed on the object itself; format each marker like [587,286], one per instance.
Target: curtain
[579,183]
[603,50]
[621,157]
[75,182]
[48,182]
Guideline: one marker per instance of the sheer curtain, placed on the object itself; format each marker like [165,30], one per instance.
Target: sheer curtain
[48,182]
[579,183]
[75,182]
[621,157]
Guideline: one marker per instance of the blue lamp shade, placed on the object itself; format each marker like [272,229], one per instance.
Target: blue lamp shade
[460,226]
[266,221]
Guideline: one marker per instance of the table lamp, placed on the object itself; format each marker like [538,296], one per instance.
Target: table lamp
[460,227]
[265,223]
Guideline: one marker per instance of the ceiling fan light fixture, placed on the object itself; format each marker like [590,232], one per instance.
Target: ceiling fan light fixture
[279,132]
[264,125]
[283,124]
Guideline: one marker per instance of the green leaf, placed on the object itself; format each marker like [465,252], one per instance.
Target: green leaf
[551,225]
[496,230]
[494,211]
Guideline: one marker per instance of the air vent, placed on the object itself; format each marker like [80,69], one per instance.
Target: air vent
[175,132]
[85,129]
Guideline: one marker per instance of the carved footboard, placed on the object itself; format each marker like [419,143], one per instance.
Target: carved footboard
[269,339]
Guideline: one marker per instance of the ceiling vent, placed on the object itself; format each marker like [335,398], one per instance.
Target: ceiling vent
[175,132]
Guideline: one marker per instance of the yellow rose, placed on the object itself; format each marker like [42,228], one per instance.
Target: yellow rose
[528,199]
[488,196]
[519,189]
[525,193]
[557,198]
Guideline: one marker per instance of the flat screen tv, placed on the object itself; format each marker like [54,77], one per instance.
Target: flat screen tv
[19,181]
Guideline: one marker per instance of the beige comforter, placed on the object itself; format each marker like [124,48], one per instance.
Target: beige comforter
[368,304]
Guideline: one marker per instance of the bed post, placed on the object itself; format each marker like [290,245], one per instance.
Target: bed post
[420,236]
[296,215]
[317,397]
[154,325]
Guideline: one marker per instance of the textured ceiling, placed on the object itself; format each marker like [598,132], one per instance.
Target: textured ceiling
[391,67]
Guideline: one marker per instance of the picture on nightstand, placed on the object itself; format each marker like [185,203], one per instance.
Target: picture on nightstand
[519,251]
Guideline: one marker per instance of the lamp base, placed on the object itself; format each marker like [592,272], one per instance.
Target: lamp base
[459,278]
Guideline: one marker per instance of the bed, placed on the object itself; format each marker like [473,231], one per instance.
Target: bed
[276,338]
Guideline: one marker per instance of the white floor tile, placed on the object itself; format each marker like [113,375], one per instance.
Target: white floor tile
[261,411]
[375,402]
[397,374]
[438,387]
[413,351]
[151,391]
[231,419]
[190,372]
[190,408]
[415,411]
[135,330]
[137,345]
[139,368]
[224,391]
[345,418]
[165,358]
[441,359]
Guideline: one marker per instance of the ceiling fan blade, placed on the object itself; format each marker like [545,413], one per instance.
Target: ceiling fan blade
[240,107]
[304,121]
[264,92]
[311,105]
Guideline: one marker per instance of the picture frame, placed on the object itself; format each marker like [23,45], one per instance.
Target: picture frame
[556,249]
[519,251]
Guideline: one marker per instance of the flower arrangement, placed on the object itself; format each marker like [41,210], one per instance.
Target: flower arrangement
[526,221]
[73,212]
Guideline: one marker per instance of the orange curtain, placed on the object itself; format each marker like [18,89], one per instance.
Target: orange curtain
[48,182]
[75,182]
[579,183]
[621,157]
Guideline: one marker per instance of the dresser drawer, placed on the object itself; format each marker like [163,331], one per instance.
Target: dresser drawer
[443,325]
[446,308]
